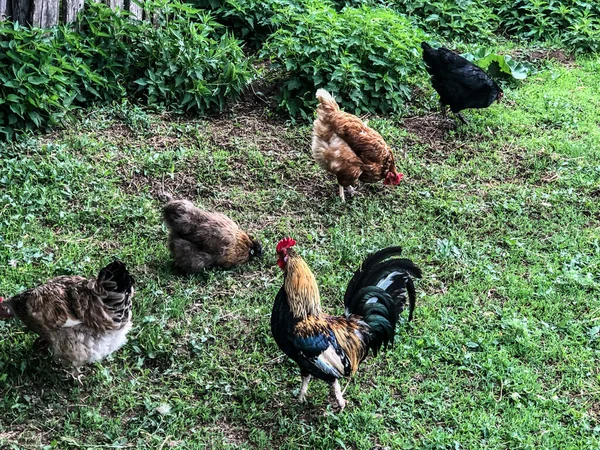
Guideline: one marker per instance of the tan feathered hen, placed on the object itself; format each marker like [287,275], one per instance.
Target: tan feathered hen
[82,320]
[201,239]
[345,146]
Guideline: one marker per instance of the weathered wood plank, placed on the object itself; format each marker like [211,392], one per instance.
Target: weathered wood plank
[70,8]
[5,9]
[20,11]
[115,3]
[44,13]
[136,10]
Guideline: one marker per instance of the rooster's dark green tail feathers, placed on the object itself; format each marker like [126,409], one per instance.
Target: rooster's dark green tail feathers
[379,291]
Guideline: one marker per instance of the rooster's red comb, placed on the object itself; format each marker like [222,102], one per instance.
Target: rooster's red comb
[285,243]
[1,299]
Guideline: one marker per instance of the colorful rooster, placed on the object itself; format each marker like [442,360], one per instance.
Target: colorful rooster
[332,347]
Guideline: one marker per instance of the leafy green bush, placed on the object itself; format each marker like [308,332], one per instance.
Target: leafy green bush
[179,62]
[254,20]
[575,23]
[365,56]
[39,80]
[468,20]
[184,66]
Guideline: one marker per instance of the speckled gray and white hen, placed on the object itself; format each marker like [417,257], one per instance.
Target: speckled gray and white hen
[82,320]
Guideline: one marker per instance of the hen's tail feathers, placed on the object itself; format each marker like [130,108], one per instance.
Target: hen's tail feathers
[327,103]
[379,291]
[114,286]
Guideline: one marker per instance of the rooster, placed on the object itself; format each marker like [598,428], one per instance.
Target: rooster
[346,147]
[82,320]
[331,347]
[459,82]
[201,239]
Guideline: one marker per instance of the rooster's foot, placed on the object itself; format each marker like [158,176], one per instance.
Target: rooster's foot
[304,388]
[339,396]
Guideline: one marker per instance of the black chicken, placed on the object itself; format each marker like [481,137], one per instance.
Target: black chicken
[460,83]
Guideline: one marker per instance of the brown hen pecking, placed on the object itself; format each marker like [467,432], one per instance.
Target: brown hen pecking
[201,239]
[345,146]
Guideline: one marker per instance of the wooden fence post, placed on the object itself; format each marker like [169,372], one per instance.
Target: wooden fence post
[115,3]
[44,13]
[5,9]
[20,11]
[70,8]
[136,10]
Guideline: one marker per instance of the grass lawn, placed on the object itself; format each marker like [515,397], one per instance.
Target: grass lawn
[503,216]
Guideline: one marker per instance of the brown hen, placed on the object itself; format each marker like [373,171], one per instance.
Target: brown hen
[345,146]
[201,239]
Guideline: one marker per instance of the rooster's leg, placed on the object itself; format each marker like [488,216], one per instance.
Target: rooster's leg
[304,388]
[351,191]
[339,397]
[342,196]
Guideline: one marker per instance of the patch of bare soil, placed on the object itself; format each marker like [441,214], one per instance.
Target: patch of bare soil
[431,131]
[255,127]
[234,435]
[545,55]
[184,183]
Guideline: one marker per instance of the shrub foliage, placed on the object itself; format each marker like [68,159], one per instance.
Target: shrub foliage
[178,62]
[365,56]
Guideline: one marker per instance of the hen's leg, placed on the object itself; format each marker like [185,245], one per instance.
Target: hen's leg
[76,374]
[351,191]
[462,119]
[304,388]
[339,397]
[443,107]
[342,196]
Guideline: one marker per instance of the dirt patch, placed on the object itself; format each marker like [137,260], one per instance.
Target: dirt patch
[254,127]
[234,435]
[545,55]
[431,131]
[184,183]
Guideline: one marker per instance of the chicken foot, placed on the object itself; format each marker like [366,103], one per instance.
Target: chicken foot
[351,191]
[339,396]
[76,374]
[443,108]
[304,388]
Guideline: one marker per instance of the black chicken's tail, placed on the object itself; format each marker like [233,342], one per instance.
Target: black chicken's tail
[379,291]
[114,286]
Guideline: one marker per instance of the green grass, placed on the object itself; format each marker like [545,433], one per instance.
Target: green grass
[503,216]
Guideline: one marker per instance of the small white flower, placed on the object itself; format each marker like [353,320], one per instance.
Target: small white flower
[164,408]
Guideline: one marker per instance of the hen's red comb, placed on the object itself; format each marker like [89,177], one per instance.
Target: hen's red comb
[285,243]
[1,299]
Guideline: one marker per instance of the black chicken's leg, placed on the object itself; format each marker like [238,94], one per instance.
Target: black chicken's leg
[443,107]
[462,119]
